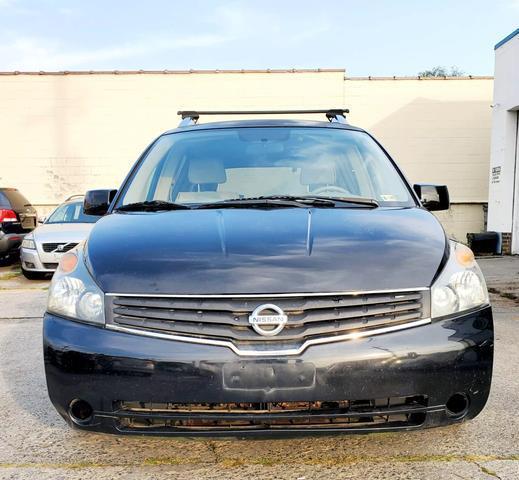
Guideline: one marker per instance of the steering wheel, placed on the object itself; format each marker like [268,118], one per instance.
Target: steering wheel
[334,189]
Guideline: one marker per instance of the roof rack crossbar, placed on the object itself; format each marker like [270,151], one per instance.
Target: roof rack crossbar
[190,117]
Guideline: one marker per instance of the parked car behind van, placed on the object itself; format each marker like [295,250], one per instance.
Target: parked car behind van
[60,232]
[267,277]
[17,218]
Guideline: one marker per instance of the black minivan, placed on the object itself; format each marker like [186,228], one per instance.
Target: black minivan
[267,277]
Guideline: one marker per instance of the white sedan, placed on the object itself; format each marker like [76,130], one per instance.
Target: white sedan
[64,228]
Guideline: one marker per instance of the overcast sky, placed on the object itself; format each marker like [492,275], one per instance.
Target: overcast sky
[368,37]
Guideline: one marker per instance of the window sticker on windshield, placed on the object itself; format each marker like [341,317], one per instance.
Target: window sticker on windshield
[388,197]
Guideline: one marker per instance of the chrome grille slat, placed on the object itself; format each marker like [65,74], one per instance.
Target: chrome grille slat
[51,247]
[244,334]
[310,318]
[243,305]
[228,318]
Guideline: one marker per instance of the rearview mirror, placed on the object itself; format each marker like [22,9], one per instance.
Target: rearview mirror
[433,197]
[97,201]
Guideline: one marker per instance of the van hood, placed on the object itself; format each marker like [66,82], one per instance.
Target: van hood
[242,251]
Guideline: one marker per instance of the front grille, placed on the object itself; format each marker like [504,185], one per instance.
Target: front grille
[50,266]
[384,413]
[51,247]
[226,318]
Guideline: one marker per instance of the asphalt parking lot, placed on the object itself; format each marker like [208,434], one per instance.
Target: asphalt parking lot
[36,443]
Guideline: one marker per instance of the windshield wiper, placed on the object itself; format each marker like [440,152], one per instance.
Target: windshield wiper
[151,206]
[302,201]
[273,201]
[368,202]
[269,201]
[332,201]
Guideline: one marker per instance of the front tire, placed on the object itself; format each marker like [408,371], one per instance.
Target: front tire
[33,275]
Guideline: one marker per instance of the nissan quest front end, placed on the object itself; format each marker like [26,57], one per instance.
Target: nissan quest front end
[267,277]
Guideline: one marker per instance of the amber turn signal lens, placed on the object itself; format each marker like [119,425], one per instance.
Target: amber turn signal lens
[465,256]
[68,263]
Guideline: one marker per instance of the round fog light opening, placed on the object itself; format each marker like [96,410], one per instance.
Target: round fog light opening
[457,405]
[80,411]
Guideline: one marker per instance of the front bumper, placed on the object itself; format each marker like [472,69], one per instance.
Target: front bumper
[110,370]
[32,261]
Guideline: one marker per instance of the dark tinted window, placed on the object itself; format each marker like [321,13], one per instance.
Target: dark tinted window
[71,213]
[4,203]
[12,198]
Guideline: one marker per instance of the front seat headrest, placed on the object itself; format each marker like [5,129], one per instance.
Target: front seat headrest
[206,170]
[317,176]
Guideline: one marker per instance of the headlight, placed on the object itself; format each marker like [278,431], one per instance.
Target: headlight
[28,243]
[73,293]
[460,286]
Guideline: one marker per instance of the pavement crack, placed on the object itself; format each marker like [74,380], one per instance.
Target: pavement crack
[487,471]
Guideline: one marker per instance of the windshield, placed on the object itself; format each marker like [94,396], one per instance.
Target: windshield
[71,213]
[207,166]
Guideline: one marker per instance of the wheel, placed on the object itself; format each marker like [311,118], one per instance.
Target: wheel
[33,275]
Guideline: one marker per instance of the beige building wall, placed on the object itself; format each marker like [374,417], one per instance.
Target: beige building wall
[438,131]
[65,133]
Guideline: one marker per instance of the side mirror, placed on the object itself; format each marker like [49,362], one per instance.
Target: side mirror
[97,201]
[41,220]
[433,197]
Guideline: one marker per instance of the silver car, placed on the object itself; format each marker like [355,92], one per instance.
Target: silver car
[60,232]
